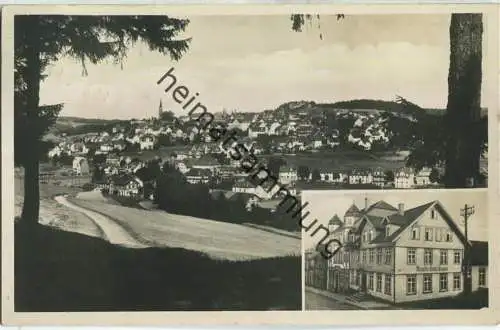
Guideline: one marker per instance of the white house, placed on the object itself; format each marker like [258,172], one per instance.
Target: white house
[404,178]
[147,142]
[80,166]
[287,175]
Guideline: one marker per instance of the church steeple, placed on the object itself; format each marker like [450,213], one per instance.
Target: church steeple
[160,109]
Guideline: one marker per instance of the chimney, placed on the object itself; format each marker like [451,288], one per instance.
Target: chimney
[401,208]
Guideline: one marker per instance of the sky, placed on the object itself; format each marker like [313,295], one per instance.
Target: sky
[253,63]
[323,205]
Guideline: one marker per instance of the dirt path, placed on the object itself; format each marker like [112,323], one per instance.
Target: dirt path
[113,232]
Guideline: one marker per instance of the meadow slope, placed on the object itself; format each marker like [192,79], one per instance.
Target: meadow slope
[219,240]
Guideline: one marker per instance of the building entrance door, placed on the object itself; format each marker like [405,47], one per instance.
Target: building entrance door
[363,281]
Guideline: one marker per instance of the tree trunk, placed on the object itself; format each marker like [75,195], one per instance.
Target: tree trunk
[464,100]
[31,205]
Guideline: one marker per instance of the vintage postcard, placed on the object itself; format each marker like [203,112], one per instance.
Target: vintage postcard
[249,164]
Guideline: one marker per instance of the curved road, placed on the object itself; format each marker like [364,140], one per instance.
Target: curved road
[114,233]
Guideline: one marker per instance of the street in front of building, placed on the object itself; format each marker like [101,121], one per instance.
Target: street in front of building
[315,301]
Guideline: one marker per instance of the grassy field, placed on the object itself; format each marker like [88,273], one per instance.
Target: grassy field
[57,271]
[53,214]
[220,240]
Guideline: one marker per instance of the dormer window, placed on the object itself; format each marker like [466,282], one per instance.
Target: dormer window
[387,230]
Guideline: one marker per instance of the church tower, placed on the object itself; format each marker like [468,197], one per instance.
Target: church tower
[160,110]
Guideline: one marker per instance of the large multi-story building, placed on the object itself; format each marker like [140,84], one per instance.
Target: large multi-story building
[403,255]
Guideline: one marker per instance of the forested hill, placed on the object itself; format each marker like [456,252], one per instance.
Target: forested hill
[364,104]
[390,106]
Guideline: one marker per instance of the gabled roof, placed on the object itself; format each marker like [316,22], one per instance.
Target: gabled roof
[411,215]
[335,220]
[381,205]
[377,222]
[403,221]
[122,180]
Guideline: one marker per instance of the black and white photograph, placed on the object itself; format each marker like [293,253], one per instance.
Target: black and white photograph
[175,159]
[397,250]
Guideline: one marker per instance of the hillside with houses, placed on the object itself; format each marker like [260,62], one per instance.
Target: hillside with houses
[304,144]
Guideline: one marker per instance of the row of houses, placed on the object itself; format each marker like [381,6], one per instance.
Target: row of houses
[399,255]
[403,178]
[125,185]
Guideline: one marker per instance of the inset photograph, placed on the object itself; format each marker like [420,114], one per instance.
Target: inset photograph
[396,250]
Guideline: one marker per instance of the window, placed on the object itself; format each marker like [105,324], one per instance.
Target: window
[370,281]
[439,234]
[457,279]
[388,256]
[482,276]
[379,282]
[415,233]
[411,284]
[411,256]
[364,256]
[387,284]
[457,257]
[387,231]
[428,234]
[369,236]
[449,237]
[372,256]
[427,283]
[443,257]
[379,256]
[443,282]
[427,257]
[433,214]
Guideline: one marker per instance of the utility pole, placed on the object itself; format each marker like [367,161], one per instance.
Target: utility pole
[466,212]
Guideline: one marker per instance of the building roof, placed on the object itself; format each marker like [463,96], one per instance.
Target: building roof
[408,217]
[380,205]
[205,160]
[352,211]
[335,220]
[360,172]
[404,171]
[198,172]
[377,222]
[245,197]
[122,179]
[287,168]
[243,183]
[479,253]
[403,221]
